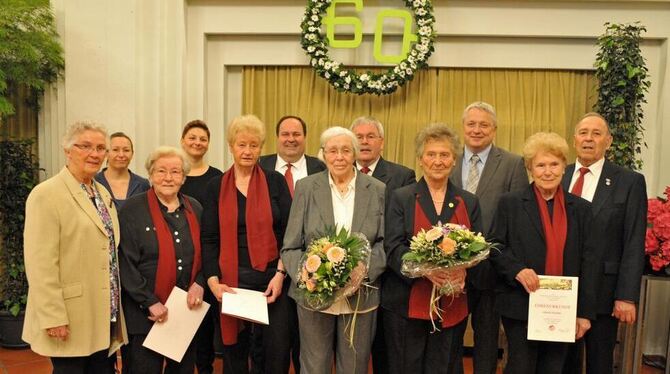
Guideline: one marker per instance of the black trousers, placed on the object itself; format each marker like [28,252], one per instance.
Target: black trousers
[96,363]
[145,361]
[412,347]
[530,356]
[485,326]
[379,356]
[275,344]
[204,337]
[599,343]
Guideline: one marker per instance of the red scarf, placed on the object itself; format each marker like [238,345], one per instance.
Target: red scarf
[166,275]
[260,235]
[456,309]
[555,230]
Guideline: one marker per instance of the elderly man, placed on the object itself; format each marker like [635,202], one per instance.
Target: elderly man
[370,134]
[290,159]
[488,172]
[619,204]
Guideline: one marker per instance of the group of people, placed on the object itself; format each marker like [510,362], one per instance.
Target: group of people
[104,249]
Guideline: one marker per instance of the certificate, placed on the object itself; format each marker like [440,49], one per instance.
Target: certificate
[246,304]
[552,309]
[172,337]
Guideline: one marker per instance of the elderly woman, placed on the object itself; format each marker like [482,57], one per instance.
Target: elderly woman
[74,307]
[245,216]
[159,250]
[412,345]
[541,230]
[337,197]
[116,177]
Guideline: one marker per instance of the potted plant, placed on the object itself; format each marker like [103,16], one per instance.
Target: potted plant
[30,58]
[623,82]
[657,241]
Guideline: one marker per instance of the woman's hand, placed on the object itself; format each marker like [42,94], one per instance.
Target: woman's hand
[528,279]
[583,325]
[274,288]
[158,312]
[60,332]
[219,288]
[455,278]
[194,296]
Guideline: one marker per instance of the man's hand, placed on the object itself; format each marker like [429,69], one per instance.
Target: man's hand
[528,279]
[583,325]
[624,311]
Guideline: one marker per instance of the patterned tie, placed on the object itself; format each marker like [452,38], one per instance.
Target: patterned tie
[365,170]
[579,185]
[473,174]
[289,178]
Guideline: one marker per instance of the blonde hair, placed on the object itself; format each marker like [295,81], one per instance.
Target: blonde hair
[247,123]
[167,151]
[549,142]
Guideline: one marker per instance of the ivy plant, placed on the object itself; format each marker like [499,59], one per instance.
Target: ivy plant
[623,82]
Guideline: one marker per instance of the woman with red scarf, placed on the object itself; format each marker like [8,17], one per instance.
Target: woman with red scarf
[541,230]
[159,250]
[244,219]
[411,343]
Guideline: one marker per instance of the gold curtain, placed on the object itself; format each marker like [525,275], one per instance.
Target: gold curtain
[527,101]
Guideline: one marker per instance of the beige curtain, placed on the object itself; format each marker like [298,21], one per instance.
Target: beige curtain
[527,101]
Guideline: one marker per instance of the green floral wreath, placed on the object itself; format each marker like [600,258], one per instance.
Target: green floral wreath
[347,80]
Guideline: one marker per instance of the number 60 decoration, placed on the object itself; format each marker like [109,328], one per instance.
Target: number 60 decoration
[416,47]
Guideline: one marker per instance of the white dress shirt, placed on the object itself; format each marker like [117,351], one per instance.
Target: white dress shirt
[371,167]
[299,168]
[590,179]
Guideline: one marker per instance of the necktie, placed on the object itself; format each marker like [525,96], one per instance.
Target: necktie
[473,174]
[365,170]
[289,178]
[579,185]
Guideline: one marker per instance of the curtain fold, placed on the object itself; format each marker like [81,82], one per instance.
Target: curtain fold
[526,101]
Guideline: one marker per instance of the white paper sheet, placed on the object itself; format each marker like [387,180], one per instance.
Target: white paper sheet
[246,304]
[552,309]
[172,337]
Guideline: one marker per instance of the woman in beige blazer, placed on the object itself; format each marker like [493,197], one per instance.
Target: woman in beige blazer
[71,232]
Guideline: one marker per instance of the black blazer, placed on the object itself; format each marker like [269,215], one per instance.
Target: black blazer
[517,229]
[393,175]
[314,165]
[138,260]
[399,229]
[620,221]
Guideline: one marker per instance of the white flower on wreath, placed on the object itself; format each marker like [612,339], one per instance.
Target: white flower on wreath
[326,75]
[343,73]
[409,71]
[402,74]
[336,84]
[364,77]
[423,30]
[347,79]
[311,29]
[421,12]
[315,17]
[313,62]
[346,86]
[311,49]
[320,62]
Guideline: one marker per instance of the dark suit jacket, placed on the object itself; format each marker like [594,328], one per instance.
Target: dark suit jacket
[312,213]
[517,229]
[620,220]
[393,175]
[314,165]
[503,172]
[400,229]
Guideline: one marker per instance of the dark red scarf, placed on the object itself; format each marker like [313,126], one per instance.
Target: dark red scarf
[456,309]
[555,230]
[260,235]
[166,275]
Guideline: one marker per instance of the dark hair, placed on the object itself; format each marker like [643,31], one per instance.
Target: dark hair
[120,134]
[304,125]
[196,123]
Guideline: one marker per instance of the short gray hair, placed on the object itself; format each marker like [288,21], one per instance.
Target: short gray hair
[438,131]
[593,114]
[79,127]
[365,120]
[334,131]
[483,106]
[167,151]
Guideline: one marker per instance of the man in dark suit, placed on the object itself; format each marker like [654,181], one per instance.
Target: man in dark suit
[488,172]
[370,134]
[619,205]
[290,159]
[292,162]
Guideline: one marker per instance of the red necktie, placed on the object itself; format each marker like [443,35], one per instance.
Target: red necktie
[579,185]
[289,178]
[365,170]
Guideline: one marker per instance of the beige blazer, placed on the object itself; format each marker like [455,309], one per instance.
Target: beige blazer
[67,265]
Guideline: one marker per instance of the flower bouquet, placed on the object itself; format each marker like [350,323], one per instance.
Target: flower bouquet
[333,267]
[657,241]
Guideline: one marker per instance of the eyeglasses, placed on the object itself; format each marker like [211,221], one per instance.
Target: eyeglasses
[335,151]
[162,173]
[368,137]
[88,148]
[482,125]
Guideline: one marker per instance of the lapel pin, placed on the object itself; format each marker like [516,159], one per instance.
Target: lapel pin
[451,205]
[608,181]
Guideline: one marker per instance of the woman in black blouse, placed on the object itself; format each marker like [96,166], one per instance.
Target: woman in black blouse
[245,216]
[195,142]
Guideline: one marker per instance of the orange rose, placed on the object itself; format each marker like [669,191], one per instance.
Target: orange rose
[448,246]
